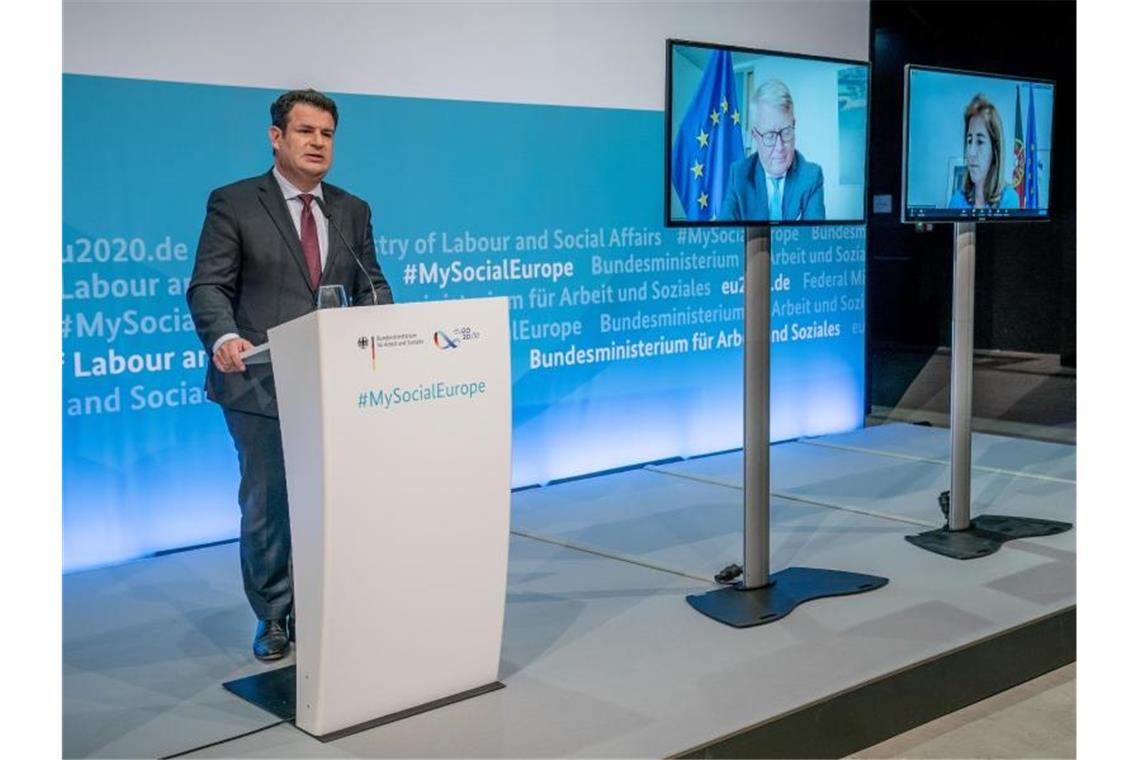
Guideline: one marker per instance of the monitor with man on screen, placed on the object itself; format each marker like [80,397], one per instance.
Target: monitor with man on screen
[962,162]
[761,138]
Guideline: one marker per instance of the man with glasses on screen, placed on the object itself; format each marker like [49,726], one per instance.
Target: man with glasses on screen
[776,183]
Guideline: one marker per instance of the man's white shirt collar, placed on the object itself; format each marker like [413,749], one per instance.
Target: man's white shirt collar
[290,190]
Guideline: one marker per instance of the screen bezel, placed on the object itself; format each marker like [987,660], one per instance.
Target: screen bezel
[948,215]
[670,222]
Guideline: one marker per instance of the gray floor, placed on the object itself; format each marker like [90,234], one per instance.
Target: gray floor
[1034,719]
[602,657]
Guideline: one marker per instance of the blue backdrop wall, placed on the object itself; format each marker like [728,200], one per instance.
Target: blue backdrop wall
[626,335]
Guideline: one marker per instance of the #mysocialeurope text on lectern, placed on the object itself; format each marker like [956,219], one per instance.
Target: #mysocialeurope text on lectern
[396,425]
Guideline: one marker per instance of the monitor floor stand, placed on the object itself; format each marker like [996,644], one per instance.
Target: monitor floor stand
[962,537]
[758,597]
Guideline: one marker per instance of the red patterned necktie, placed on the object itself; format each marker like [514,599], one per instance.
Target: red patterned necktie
[309,243]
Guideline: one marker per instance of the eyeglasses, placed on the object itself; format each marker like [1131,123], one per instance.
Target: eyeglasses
[768,139]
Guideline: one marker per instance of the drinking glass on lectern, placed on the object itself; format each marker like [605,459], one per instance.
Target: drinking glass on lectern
[331,297]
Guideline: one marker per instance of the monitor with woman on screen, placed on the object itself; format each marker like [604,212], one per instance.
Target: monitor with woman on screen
[961,161]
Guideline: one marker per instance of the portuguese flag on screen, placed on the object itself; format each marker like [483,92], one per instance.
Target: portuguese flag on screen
[1018,154]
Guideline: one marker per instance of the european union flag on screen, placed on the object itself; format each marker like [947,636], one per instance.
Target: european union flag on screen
[1031,156]
[708,141]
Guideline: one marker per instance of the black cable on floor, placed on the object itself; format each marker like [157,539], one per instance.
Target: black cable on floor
[729,574]
[185,752]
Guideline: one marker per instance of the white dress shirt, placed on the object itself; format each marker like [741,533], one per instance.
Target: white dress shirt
[296,206]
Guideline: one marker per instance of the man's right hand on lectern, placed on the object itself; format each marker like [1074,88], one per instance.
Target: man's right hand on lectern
[228,356]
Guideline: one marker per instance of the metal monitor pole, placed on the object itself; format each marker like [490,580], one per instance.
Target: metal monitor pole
[759,597]
[757,424]
[961,537]
[961,374]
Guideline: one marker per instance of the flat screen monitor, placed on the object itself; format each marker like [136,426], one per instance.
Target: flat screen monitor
[757,137]
[976,147]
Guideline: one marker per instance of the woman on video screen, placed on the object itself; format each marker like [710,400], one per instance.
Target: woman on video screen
[982,184]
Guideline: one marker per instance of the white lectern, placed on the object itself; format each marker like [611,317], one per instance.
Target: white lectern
[396,425]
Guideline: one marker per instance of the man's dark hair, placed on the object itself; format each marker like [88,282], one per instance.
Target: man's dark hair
[279,111]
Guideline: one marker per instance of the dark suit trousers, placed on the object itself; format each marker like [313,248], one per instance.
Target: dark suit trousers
[266,542]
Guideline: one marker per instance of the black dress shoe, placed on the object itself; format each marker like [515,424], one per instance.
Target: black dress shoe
[271,641]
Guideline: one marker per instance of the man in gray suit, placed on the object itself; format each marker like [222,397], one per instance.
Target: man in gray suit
[267,243]
[776,183]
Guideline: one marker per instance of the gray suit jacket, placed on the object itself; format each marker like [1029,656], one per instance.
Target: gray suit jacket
[746,197]
[250,275]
